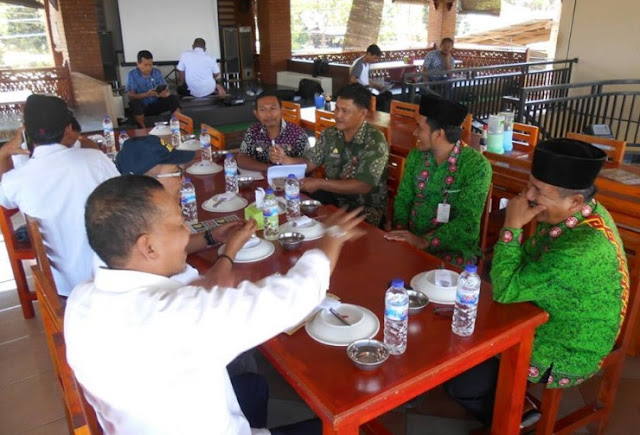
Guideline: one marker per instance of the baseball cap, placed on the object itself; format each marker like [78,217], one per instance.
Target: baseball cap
[143,153]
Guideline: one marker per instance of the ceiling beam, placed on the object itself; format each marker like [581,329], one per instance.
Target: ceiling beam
[26,3]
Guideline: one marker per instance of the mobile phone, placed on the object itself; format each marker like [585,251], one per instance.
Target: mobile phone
[160,88]
[27,141]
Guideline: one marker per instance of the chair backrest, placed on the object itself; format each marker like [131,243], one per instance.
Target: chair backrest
[324,119]
[8,231]
[80,415]
[525,137]
[466,129]
[40,251]
[614,148]
[406,110]
[484,231]
[396,171]
[291,112]
[186,123]
[373,104]
[217,137]
[521,163]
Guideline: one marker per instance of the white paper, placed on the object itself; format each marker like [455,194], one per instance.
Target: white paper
[259,197]
[443,213]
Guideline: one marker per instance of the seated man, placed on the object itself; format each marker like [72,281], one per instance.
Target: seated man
[198,71]
[266,142]
[150,353]
[354,155]
[574,267]
[152,156]
[442,193]
[53,185]
[147,90]
[439,61]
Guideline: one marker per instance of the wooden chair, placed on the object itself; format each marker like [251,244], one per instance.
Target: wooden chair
[18,251]
[81,417]
[186,123]
[217,137]
[406,110]
[395,168]
[467,124]
[599,410]
[324,119]
[374,104]
[614,148]
[291,112]
[484,231]
[525,137]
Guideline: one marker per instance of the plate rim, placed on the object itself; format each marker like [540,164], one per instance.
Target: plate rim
[217,168]
[284,228]
[307,327]
[210,210]
[271,249]
[431,300]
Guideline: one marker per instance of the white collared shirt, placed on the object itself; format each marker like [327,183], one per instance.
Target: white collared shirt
[199,69]
[53,186]
[151,354]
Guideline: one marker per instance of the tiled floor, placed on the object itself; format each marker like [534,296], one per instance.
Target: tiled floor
[30,402]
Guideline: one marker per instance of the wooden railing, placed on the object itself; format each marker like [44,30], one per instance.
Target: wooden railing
[54,80]
[560,108]
[468,57]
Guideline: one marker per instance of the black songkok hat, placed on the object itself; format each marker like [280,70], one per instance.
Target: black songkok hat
[567,163]
[46,115]
[445,112]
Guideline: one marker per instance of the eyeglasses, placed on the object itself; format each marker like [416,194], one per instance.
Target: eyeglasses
[179,173]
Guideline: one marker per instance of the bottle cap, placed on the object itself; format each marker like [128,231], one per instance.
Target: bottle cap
[472,268]
[187,180]
[291,176]
[397,282]
[229,156]
[269,191]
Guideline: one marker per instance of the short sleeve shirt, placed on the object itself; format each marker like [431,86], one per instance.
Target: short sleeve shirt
[360,71]
[139,84]
[199,69]
[365,158]
[256,142]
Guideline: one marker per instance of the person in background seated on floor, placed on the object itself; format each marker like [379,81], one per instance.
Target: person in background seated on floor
[444,188]
[152,156]
[354,155]
[150,353]
[574,267]
[148,91]
[198,72]
[53,185]
[268,141]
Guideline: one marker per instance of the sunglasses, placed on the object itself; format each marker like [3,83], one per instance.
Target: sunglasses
[179,173]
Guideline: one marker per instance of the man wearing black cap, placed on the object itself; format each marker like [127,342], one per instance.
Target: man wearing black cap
[574,267]
[152,156]
[54,185]
[442,194]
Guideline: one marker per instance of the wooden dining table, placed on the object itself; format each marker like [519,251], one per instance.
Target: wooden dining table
[345,397]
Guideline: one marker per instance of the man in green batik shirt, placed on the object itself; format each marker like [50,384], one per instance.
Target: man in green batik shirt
[573,267]
[354,155]
[444,188]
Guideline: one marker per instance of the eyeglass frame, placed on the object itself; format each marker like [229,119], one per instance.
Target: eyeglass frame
[179,173]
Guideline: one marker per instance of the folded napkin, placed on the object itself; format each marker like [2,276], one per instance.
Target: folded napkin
[301,222]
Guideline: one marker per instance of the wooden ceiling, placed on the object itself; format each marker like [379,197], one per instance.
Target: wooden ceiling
[524,33]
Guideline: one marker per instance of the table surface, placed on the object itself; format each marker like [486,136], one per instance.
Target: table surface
[345,397]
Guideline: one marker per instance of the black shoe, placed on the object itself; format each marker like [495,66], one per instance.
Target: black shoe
[530,418]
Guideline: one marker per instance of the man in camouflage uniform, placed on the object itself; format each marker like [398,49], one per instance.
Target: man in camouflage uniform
[354,156]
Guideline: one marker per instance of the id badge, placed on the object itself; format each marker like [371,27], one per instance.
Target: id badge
[443,213]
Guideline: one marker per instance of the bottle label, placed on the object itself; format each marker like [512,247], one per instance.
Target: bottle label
[397,313]
[230,172]
[467,296]
[292,196]
[188,197]
[268,212]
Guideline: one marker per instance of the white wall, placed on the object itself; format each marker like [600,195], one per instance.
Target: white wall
[603,35]
[168,27]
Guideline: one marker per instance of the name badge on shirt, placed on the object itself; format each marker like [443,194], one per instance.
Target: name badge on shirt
[443,213]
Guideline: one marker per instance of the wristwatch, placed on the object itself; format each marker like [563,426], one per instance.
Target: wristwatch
[209,238]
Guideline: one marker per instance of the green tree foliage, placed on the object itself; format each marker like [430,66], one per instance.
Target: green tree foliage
[22,30]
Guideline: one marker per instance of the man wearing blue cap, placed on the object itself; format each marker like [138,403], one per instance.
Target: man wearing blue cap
[54,185]
[152,156]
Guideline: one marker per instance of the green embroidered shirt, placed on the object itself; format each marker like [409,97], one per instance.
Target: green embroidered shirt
[364,158]
[577,272]
[463,182]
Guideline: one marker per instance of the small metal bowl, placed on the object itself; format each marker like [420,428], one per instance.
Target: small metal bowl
[417,301]
[367,354]
[290,241]
[309,206]
[245,182]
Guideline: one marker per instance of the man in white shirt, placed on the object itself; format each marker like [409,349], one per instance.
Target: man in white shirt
[197,72]
[359,71]
[54,185]
[151,353]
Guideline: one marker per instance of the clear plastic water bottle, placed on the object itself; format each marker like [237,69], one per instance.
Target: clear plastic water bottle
[230,174]
[122,138]
[189,202]
[176,139]
[396,317]
[292,195]
[270,215]
[483,138]
[466,307]
[109,137]
[205,147]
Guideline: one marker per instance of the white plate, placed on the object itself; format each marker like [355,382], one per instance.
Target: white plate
[418,283]
[190,145]
[282,204]
[204,169]
[161,131]
[256,253]
[313,232]
[326,329]
[236,203]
